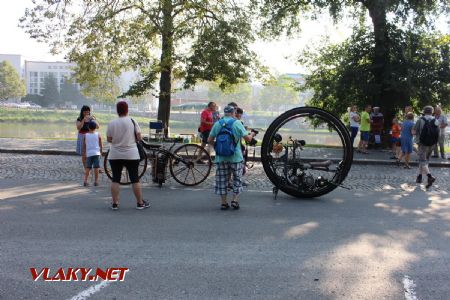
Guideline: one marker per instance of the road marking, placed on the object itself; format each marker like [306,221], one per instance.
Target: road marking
[90,291]
[409,286]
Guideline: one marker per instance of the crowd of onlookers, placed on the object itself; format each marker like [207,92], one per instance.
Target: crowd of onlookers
[423,134]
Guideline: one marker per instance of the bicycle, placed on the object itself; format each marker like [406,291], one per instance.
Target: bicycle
[184,163]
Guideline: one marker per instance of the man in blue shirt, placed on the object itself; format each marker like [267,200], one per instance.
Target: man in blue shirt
[233,164]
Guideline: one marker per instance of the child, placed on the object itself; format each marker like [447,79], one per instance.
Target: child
[406,139]
[92,150]
[395,138]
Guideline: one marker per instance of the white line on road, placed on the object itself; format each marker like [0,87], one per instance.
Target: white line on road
[90,291]
[409,286]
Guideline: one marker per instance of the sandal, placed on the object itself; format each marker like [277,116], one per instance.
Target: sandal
[224,206]
[235,204]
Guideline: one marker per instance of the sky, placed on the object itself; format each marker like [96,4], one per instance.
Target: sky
[279,56]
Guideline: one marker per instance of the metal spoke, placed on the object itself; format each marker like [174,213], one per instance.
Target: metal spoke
[193,175]
[178,172]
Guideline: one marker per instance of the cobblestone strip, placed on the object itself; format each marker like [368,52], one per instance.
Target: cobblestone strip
[69,168]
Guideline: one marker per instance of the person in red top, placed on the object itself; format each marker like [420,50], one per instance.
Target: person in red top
[395,138]
[206,123]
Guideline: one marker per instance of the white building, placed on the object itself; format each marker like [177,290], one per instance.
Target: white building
[37,71]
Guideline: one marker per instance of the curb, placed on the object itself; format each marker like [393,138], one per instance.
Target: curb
[442,164]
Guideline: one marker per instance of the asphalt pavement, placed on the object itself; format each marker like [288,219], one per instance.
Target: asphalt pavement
[386,238]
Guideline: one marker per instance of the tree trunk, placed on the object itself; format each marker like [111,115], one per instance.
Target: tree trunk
[165,82]
[383,95]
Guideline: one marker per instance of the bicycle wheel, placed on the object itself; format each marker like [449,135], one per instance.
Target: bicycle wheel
[124,179]
[190,164]
[318,158]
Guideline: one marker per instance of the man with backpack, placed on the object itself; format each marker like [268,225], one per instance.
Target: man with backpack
[228,133]
[426,136]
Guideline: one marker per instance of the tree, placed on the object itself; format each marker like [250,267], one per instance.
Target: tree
[197,40]
[278,93]
[240,93]
[283,15]
[11,86]
[50,93]
[420,71]
[70,92]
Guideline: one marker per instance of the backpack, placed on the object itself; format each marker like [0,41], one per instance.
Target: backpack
[429,135]
[225,143]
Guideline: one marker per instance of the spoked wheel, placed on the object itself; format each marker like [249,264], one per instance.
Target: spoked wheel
[306,152]
[190,165]
[124,179]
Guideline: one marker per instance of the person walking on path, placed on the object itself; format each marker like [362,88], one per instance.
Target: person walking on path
[122,134]
[92,150]
[406,139]
[228,134]
[354,122]
[206,122]
[426,135]
[82,126]
[442,120]
[365,129]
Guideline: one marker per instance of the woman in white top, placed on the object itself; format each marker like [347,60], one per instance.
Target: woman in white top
[354,122]
[124,153]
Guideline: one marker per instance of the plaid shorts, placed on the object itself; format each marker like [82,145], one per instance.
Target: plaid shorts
[223,170]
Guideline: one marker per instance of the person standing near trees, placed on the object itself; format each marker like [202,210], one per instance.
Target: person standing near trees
[206,123]
[228,133]
[354,122]
[365,129]
[442,120]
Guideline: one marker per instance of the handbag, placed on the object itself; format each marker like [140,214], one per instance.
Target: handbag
[142,154]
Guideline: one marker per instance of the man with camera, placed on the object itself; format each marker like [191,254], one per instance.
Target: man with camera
[228,133]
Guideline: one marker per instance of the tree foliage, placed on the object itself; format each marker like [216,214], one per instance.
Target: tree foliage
[278,93]
[196,40]
[380,65]
[419,71]
[11,86]
[70,92]
[50,94]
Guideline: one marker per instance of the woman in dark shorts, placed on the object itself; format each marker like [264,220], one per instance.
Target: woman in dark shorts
[124,153]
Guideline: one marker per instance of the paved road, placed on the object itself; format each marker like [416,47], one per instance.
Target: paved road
[376,241]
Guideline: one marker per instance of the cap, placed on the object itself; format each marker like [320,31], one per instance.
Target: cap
[228,109]
[428,110]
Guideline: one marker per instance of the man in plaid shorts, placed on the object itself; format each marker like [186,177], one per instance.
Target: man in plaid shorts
[230,164]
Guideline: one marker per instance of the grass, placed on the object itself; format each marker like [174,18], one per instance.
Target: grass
[15,115]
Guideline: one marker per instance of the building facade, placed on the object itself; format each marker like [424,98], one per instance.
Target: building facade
[37,71]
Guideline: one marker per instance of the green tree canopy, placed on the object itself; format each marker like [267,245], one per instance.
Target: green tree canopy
[196,40]
[342,74]
[278,93]
[11,86]
[50,94]
[381,54]
[70,92]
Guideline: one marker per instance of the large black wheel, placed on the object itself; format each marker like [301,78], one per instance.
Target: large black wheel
[306,152]
[190,164]
[124,179]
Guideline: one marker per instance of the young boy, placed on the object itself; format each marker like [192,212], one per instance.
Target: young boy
[395,138]
[92,150]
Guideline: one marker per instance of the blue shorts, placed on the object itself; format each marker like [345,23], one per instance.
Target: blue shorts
[407,145]
[93,162]
[395,141]
[365,136]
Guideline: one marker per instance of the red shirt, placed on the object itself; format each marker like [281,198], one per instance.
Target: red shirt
[395,131]
[206,116]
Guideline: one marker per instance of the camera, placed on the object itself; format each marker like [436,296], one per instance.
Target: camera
[254,131]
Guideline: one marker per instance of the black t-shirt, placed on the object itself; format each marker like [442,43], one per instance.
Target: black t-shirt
[85,128]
